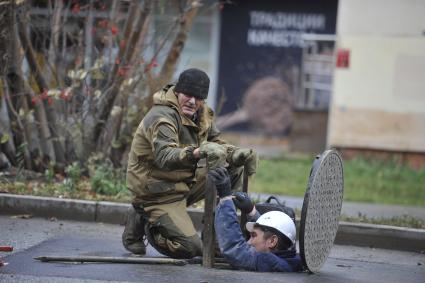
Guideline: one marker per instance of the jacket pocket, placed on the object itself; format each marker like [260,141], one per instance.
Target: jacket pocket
[174,176]
[164,187]
[160,187]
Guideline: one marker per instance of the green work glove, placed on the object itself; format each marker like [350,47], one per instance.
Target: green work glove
[245,157]
[215,154]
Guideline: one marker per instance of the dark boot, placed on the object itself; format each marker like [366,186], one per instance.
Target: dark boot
[134,232]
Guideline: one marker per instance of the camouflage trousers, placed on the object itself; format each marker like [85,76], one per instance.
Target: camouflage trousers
[169,228]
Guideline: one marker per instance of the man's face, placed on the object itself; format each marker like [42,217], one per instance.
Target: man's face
[189,104]
[261,244]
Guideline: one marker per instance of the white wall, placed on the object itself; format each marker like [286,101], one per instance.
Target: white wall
[386,73]
[379,101]
[381,17]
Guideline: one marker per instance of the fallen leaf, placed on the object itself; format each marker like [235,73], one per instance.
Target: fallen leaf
[3,263]
[22,216]
[4,138]
[6,248]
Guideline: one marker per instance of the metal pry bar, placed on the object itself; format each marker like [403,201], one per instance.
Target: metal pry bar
[141,260]
[134,260]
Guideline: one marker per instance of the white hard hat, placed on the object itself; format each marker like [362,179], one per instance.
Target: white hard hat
[277,220]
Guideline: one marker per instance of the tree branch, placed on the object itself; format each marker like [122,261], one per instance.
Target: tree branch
[43,86]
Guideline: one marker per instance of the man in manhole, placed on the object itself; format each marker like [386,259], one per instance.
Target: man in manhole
[271,246]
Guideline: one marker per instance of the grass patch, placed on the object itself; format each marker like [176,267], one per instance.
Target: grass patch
[283,176]
[401,221]
[365,180]
[82,190]
[380,182]
[104,183]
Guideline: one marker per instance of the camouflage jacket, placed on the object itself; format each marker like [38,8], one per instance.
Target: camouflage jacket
[161,165]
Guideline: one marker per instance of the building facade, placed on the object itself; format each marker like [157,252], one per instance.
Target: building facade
[378,104]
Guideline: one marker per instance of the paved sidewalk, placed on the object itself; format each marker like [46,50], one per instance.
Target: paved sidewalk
[41,237]
[356,208]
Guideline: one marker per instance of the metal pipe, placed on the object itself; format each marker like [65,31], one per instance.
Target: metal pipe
[141,260]
[135,260]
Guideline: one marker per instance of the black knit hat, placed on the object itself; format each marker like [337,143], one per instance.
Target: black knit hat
[193,82]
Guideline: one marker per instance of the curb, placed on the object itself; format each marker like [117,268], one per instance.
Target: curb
[356,234]
[381,236]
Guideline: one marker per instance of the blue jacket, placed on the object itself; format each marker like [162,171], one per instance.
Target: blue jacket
[237,251]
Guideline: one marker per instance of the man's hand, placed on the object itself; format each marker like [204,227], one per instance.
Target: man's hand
[247,157]
[221,179]
[197,153]
[243,202]
[215,154]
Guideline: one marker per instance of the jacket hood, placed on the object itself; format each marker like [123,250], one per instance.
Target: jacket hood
[166,97]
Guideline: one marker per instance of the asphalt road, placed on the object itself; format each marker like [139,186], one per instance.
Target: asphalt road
[37,237]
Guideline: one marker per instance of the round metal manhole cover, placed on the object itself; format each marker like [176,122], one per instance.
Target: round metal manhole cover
[321,209]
